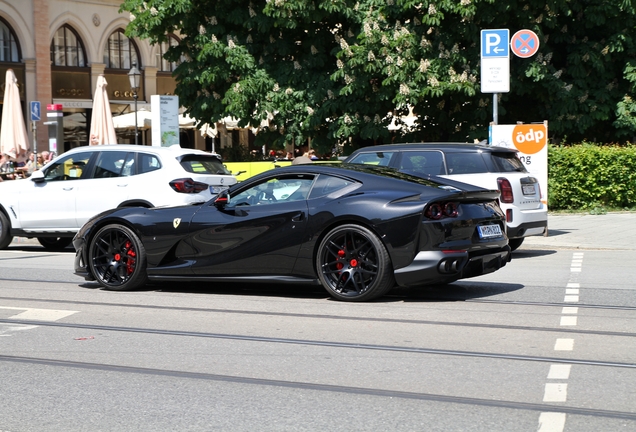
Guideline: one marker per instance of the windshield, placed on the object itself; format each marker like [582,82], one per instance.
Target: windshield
[202,164]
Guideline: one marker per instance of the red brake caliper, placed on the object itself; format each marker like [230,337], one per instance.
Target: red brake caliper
[130,262]
[341,254]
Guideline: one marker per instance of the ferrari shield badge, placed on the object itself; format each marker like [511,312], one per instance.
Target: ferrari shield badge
[176,222]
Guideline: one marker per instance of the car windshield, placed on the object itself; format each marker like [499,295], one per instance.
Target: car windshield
[202,164]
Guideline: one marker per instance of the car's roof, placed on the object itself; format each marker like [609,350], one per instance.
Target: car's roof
[455,147]
[367,173]
[173,150]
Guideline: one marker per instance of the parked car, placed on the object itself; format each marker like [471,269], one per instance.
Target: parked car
[481,165]
[356,230]
[57,200]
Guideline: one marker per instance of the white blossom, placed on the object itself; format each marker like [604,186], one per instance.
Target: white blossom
[348,79]
[431,9]
[432,81]
[276,87]
[347,119]
[288,91]
[384,40]
[330,94]
[237,88]
[297,65]
[404,89]
[216,96]
[424,64]
[202,30]
[314,50]
[249,39]
[371,56]
[252,11]
[377,119]
[213,20]
[310,110]
[464,2]
[340,64]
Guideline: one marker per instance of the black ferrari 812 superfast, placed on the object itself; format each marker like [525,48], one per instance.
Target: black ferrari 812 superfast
[356,230]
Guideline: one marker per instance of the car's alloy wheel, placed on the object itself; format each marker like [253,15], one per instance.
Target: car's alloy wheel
[353,264]
[5,231]
[55,243]
[117,258]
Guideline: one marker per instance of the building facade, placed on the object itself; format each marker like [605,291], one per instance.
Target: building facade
[58,49]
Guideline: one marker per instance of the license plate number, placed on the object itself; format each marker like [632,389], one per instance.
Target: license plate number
[528,189]
[217,189]
[489,231]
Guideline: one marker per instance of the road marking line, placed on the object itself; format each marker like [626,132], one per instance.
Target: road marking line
[572,291]
[575,269]
[564,345]
[570,310]
[573,285]
[555,392]
[577,264]
[568,321]
[40,314]
[559,371]
[571,299]
[551,422]
[578,254]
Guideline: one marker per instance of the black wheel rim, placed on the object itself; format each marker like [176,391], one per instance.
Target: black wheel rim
[349,263]
[114,257]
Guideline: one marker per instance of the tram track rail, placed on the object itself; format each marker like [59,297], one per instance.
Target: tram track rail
[351,390]
[322,343]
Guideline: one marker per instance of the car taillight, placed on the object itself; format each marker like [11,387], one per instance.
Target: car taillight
[437,211]
[187,185]
[506,190]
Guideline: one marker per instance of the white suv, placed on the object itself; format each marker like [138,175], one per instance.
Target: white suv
[57,200]
[485,166]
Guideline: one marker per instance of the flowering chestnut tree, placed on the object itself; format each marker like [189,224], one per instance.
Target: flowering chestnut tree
[344,70]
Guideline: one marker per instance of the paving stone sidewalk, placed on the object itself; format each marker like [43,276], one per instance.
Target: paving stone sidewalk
[585,231]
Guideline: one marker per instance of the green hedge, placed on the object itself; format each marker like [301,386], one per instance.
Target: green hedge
[589,176]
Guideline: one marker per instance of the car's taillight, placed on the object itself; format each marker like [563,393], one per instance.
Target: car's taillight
[506,190]
[437,211]
[187,185]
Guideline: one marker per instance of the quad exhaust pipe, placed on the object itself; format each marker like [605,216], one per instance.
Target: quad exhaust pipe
[451,265]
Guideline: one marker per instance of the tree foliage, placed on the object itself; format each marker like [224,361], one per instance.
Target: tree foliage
[343,70]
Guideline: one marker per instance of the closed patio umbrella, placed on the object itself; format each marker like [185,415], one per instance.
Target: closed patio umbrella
[13,134]
[102,127]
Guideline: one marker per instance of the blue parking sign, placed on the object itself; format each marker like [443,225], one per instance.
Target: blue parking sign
[495,43]
[35,111]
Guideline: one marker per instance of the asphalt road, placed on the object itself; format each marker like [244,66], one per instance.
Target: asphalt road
[547,343]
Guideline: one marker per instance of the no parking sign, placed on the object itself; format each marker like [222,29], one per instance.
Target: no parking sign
[524,43]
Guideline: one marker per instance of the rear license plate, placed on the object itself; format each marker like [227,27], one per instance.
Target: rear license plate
[489,231]
[528,189]
[217,189]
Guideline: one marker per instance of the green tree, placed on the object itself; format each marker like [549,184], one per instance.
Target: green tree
[343,70]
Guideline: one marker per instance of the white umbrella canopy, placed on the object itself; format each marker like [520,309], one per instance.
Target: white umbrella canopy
[102,127]
[13,134]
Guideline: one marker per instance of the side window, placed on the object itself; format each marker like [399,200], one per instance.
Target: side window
[373,158]
[275,190]
[326,184]
[147,163]
[465,163]
[129,165]
[109,164]
[423,162]
[71,167]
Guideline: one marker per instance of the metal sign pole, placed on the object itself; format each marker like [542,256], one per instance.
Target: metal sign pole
[495,109]
[35,145]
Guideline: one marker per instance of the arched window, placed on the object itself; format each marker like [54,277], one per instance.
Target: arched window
[121,52]
[9,49]
[165,65]
[67,48]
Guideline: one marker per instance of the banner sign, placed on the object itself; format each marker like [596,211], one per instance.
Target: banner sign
[165,120]
[531,141]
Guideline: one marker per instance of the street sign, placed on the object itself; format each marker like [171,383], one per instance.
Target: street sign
[524,43]
[495,61]
[35,111]
[494,43]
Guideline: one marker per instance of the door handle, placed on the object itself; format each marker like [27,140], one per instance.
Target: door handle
[298,217]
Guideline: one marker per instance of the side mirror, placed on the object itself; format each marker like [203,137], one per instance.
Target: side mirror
[37,176]
[221,200]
